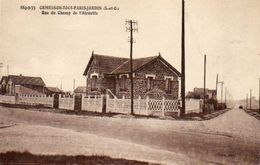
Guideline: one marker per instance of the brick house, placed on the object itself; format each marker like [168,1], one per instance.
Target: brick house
[198,93]
[18,84]
[152,76]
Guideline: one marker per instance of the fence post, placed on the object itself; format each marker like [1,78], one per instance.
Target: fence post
[123,103]
[114,101]
[147,105]
[107,103]
[139,100]
[82,102]
[101,103]
[163,106]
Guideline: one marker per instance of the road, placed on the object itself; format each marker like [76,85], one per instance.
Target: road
[232,138]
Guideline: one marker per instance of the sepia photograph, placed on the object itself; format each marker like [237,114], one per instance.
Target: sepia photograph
[171,82]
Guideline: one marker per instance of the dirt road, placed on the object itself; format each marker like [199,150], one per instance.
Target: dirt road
[232,138]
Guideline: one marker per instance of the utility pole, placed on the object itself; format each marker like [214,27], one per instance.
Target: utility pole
[1,66]
[7,69]
[221,82]
[250,101]
[204,98]
[259,97]
[73,84]
[246,101]
[131,29]
[226,96]
[183,108]
[217,88]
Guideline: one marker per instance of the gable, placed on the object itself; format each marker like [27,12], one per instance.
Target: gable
[157,68]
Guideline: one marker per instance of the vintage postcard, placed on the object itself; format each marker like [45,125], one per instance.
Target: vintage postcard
[130,82]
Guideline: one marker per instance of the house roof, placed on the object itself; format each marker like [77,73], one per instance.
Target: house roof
[26,80]
[118,65]
[106,64]
[54,89]
[80,89]
[4,78]
[137,63]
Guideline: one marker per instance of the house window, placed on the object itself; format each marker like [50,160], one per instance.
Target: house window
[150,78]
[94,82]
[123,82]
[150,83]
[168,85]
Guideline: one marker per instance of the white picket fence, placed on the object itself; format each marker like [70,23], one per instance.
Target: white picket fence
[7,99]
[93,104]
[142,106]
[66,102]
[44,100]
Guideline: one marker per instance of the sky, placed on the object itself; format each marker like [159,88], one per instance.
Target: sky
[58,47]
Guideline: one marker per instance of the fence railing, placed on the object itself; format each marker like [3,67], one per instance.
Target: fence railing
[66,103]
[7,99]
[142,106]
[44,100]
[93,104]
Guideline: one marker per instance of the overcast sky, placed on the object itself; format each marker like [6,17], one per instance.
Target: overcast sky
[58,48]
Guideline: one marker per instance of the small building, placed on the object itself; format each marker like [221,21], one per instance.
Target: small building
[80,91]
[50,91]
[198,93]
[152,76]
[19,84]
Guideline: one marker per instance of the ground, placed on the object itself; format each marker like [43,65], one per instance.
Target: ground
[231,138]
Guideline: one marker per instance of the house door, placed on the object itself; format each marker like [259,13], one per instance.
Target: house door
[77,105]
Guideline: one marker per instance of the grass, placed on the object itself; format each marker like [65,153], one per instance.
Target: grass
[28,158]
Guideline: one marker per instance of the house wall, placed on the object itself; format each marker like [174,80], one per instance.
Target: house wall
[140,81]
[29,90]
[103,82]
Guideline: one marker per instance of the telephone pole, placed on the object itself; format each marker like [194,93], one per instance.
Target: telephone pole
[183,108]
[217,88]
[204,98]
[259,97]
[226,96]
[246,101]
[221,82]
[7,70]
[130,28]
[250,101]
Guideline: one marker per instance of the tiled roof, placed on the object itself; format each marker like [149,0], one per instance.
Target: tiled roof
[54,89]
[137,63]
[106,64]
[80,89]
[117,65]
[26,80]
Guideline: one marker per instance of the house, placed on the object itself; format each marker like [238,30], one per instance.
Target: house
[50,91]
[198,93]
[80,91]
[19,84]
[152,76]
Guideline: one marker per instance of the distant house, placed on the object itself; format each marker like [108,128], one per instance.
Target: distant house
[80,90]
[198,93]
[152,76]
[18,84]
[50,91]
